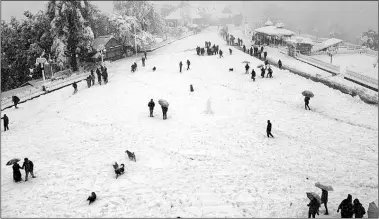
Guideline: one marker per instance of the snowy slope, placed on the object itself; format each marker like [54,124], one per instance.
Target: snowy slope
[193,164]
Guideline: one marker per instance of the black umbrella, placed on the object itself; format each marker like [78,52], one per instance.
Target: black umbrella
[13,161]
[308,93]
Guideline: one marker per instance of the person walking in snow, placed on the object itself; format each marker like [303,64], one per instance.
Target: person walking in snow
[306,101]
[188,64]
[221,53]
[145,54]
[88,79]
[6,122]
[105,75]
[180,66]
[230,51]
[247,67]
[346,207]
[265,55]
[28,165]
[198,51]
[98,73]
[244,48]
[358,209]
[280,64]
[253,75]
[262,49]
[313,208]
[15,101]
[268,130]
[16,172]
[164,111]
[324,199]
[143,61]
[269,74]
[75,86]
[92,77]
[151,106]
[262,72]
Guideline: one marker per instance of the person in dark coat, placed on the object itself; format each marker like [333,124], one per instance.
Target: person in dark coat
[105,75]
[188,64]
[268,130]
[313,208]
[202,50]
[180,66]
[75,86]
[324,199]
[265,54]
[88,79]
[269,74]
[198,51]
[306,101]
[145,54]
[261,49]
[15,100]
[217,49]
[280,64]
[346,207]
[253,75]
[151,106]
[266,63]
[247,67]
[98,73]
[262,72]
[358,209]
[16,172]
[164,111]
[6,122]
[91,198]
[221,53]
[143,61]
[230,51]
[244,48]
[92,77]
[28,165]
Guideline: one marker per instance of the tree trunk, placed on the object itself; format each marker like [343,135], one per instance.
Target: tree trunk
[73,62]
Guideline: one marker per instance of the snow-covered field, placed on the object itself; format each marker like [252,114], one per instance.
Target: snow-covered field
[358,62]
[193,164]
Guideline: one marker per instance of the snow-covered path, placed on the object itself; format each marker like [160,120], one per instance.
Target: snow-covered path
[193,164]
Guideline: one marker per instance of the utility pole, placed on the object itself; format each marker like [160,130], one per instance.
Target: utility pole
[135,39]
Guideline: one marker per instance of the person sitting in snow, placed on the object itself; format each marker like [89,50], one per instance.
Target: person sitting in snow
[313,208]
[6,122]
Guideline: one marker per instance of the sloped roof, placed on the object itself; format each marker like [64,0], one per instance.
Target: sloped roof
[327,43]
[100,42]
[269,23]
[274,31]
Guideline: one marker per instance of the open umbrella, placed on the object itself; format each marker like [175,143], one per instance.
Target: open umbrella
[13,161]
[163,102]
[308,93]
[312,195]
[247,62]
[324,187]
[260,65]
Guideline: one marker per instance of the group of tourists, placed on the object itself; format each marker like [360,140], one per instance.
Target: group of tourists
[102,75]
[211,50]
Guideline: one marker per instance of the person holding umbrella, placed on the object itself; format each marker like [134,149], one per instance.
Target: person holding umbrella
[6,122]
[314,206]
[306,101]
[151,106]
[324,195]
[16,172]
[164,105]
[28,165]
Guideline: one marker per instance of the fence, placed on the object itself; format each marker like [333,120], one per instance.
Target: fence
[330,67]
[360,77]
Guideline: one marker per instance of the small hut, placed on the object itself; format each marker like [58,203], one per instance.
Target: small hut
[301,44]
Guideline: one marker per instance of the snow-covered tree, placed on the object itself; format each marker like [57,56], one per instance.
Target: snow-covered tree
[70,23]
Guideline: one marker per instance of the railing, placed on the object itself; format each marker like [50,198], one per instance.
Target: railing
[333,68]
[361,77]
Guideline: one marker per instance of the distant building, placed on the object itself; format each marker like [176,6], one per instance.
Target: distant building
[114,49]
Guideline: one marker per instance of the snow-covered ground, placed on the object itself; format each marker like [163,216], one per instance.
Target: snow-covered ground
[193,164]
[361,63]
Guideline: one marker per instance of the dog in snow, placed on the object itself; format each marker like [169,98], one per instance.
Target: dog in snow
[131,156]
[230,69]
[91,198]
[118,170]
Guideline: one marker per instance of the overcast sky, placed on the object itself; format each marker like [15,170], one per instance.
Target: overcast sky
[348,17]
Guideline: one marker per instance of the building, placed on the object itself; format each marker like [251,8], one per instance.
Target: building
[301,44]
[270,34]
[114,49]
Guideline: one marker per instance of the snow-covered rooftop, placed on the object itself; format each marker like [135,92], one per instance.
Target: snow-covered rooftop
[327,43]
[274,31]
[300,40]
